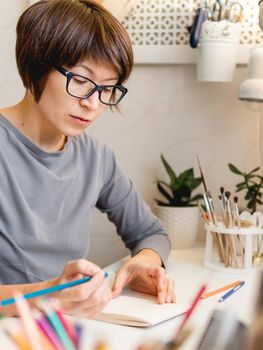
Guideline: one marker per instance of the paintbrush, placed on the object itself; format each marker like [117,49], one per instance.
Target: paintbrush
[231,225]
[207,197]
[222,191]
[210,199]
[228,209]
[211,213]
[236,211]
[242,249]
[203,213]
[201,174]
[223,209]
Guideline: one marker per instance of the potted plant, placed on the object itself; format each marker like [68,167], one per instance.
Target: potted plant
[178,208]
[252,183]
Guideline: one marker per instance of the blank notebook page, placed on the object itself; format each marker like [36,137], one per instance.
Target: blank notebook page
[143,311]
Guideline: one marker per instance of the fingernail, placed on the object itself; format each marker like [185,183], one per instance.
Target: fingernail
[168,299]
[161,299]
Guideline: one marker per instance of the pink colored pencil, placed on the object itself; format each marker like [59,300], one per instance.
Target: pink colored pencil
[191,309]
[47,329]
[28,322]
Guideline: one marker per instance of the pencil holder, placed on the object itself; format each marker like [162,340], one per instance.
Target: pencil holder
[235,249]
[217,37]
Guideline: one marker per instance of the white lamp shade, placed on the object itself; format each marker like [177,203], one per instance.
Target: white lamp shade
[252,88]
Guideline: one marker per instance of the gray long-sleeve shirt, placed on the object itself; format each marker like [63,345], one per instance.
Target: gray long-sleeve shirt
[46,204]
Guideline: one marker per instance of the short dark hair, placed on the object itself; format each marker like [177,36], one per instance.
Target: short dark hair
[54,33]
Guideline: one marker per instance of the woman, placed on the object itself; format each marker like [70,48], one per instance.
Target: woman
[73,57]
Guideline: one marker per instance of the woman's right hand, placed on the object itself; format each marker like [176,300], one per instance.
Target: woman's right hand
[86,299]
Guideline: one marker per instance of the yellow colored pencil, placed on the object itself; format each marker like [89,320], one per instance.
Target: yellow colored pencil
[20,341]
[219,290]
[15,332]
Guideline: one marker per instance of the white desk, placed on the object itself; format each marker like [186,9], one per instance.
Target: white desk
[185,267]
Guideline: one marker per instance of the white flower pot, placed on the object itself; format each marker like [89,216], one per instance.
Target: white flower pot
[181,224]
[217,51]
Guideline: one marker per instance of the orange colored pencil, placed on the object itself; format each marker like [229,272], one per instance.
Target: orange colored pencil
[219,290]
[20,341]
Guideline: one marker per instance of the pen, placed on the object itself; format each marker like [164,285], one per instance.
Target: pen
[53,289]
[231,291]
[219,290]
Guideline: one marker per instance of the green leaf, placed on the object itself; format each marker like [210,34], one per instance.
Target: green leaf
[250,204]
[196,198]
[164,192]
[187,175]
[254,170]
[168,169]
[165,184]
[248,195]
[240,189]
[241,184]
[234,169]
[196,182]
[161,203]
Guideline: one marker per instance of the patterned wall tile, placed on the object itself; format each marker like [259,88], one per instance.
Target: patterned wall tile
[165,22]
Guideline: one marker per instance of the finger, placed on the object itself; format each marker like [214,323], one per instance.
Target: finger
[120,281]
[85,290]
[170,296]
[81,266]
[95,302]
[161,283]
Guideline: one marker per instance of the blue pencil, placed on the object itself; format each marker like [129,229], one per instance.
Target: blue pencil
[231,291]
[53,289]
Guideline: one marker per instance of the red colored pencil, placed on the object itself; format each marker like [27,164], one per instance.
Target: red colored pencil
[191,309]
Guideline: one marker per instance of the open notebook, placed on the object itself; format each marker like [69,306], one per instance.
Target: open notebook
[141,310]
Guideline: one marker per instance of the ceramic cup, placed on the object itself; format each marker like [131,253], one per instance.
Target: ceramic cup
[217,51]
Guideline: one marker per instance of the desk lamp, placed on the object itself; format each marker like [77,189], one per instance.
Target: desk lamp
[252,88]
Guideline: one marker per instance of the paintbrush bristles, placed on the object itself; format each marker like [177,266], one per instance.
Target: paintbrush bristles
[201,174]
[227,194]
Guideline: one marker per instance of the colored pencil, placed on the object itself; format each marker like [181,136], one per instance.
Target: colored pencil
[47,329]
[219,290]
[191,309]
[53,318]
[69,327]
[28,322]
[53,289]
[16,335]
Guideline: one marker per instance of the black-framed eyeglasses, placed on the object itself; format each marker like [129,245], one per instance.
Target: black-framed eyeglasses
[82,87]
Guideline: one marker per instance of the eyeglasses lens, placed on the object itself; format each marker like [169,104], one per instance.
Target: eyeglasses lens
[81,87]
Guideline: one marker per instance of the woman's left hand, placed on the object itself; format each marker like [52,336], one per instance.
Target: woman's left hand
[143,273]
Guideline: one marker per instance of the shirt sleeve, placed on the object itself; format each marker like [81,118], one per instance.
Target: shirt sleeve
[126,209]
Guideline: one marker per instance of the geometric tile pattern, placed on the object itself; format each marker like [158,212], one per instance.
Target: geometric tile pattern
[165,22]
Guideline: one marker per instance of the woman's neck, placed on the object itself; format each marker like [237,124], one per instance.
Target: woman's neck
[26,117]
